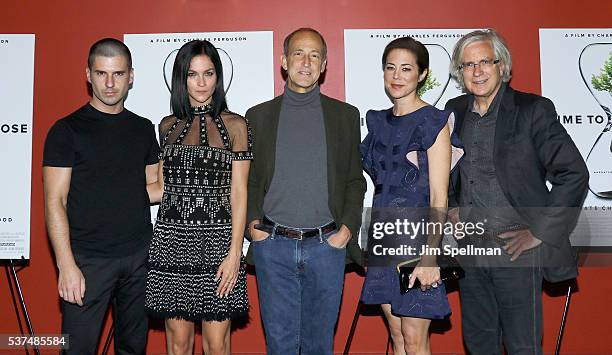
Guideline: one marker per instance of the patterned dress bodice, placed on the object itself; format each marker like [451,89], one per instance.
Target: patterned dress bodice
[196,184]
[197,180]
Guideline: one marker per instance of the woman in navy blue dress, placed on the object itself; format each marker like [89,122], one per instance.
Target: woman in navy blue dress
[409,152]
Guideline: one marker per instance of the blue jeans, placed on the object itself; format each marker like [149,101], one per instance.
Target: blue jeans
[300,287]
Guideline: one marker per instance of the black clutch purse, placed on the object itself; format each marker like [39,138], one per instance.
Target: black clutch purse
[449,270]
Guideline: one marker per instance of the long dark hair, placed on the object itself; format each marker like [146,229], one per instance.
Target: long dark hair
[179,96]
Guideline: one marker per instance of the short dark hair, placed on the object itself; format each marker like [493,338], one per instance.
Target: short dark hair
[179,96]
[289,37]
[109,47]
[413,46]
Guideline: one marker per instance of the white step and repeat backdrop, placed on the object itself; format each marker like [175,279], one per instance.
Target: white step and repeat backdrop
[576,70]
[363,75]
[16,93]
[248,71]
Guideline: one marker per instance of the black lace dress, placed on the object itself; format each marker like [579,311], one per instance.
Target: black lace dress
[192,234]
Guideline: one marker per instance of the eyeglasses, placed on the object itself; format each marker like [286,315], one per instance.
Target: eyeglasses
[471,66]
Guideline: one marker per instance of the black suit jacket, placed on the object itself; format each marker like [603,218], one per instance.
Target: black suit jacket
[345,180]
[531,146]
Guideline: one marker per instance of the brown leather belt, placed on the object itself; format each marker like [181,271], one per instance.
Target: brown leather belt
[267,225]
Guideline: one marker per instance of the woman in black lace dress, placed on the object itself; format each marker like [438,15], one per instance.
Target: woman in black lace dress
[195,259]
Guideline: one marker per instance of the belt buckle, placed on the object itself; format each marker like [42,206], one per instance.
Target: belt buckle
[296,234]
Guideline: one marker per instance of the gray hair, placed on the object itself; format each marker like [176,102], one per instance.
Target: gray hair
[499,48]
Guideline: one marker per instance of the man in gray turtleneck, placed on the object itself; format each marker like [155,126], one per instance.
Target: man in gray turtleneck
[305,197]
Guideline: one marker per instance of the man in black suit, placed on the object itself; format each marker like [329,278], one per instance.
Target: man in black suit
[306,192]
[513,145]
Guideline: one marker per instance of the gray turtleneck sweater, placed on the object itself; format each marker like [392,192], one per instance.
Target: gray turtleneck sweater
[298,194]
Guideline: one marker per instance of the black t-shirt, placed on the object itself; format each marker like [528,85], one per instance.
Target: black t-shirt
[108,206]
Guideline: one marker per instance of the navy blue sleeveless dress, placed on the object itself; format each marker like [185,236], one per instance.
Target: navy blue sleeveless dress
[394,154]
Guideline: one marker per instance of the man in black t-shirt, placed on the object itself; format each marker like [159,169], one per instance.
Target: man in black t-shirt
[97,162]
